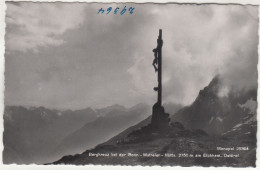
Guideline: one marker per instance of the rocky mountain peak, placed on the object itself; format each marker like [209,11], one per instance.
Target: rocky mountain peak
[212,88]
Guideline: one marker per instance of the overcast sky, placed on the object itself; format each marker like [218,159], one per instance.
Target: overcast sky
[65,55]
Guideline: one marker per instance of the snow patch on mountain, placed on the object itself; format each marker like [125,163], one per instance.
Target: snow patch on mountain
[219,119]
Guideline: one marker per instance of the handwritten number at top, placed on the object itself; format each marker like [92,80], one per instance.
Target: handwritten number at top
[116,10]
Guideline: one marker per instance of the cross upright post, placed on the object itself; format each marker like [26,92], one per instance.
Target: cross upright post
[159,48]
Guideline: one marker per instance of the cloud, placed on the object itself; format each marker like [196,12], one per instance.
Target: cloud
[34,25]
[200,42]
[107,59]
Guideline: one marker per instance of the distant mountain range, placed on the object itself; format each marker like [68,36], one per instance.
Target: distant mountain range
[30,133]
[39,135]
[114,121]
[211,121]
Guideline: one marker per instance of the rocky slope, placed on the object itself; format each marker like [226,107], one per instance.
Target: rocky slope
[172,146]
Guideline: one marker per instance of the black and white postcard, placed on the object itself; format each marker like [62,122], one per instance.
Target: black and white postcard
[136,84]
